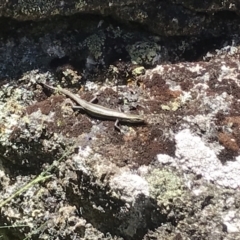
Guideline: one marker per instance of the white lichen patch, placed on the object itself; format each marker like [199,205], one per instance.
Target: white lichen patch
[193,155]
[228,72]
[231,221]
[36,123]
[128,186]
[196,68]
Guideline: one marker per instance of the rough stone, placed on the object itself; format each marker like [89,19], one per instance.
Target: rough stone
[174,177]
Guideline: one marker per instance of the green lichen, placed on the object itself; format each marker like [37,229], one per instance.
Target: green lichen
[37,7]
[95,44]
[144,52]
[115,32]
[141,15]
[138,71]
[164,185]
[80,5]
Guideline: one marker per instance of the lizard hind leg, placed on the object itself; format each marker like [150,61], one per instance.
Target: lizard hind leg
[116,125]
[73,105]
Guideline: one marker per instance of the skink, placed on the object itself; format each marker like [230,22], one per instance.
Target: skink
[99,111]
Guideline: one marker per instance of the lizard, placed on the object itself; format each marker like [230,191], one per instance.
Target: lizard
[99,111]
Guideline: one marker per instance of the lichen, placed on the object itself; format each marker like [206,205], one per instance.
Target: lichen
[80,5]
[138,71]
[37,7]
[164,185]
[95,44]
[145,53]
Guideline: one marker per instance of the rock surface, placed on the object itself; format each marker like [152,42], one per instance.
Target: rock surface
[175,177]
[171,18]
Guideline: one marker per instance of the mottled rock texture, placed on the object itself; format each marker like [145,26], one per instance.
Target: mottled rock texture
[177,176]
[171,18]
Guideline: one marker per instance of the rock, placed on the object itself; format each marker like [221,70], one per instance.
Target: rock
[65,174]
